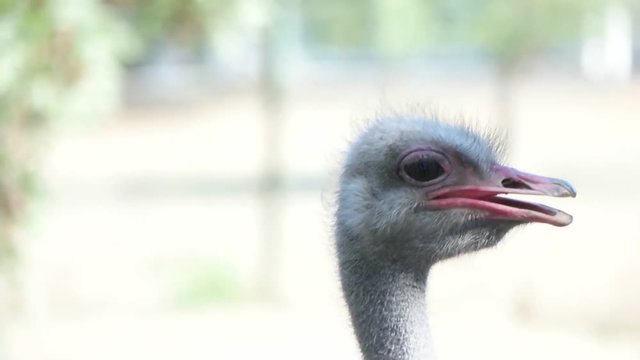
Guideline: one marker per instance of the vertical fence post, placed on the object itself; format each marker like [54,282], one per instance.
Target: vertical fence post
[271,183]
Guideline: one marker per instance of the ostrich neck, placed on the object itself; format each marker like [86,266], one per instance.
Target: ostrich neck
[388,309]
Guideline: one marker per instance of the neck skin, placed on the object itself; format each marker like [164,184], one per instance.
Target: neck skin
[388,309]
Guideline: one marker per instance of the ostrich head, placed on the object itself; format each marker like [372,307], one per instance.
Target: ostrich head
[415,191]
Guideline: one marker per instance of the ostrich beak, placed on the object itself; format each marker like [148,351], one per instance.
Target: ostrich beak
[485,195]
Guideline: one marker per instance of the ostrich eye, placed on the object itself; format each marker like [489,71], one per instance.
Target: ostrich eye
[422,167]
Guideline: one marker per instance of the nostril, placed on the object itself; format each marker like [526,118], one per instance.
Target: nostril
[514,184]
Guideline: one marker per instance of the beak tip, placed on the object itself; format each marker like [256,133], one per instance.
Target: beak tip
[566,189]
[572,191]
[569,220]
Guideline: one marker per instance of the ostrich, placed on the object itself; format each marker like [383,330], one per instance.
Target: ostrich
[412,192]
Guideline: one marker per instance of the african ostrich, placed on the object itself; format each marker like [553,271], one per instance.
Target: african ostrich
[413,192]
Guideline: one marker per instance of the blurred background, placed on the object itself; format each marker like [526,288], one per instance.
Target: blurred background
[167,171]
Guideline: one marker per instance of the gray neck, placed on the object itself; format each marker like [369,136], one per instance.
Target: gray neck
[388,309]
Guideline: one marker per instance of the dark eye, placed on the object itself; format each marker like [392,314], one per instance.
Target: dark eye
[422,166]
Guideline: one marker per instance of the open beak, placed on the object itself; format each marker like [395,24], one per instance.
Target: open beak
[486,196]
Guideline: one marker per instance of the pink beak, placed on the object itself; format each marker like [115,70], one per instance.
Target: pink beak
[504,180]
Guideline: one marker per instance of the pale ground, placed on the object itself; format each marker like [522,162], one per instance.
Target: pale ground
[133,206]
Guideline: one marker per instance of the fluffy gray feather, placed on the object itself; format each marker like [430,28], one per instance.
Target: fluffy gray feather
[385,248]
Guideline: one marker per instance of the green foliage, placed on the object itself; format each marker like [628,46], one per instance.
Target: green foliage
[205,284]
[48,50]
[61,59]
[340,24]
[513,30]
[405,27]
[507,30]
[386,27]
[41,61]
[187,22]
[510,30]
